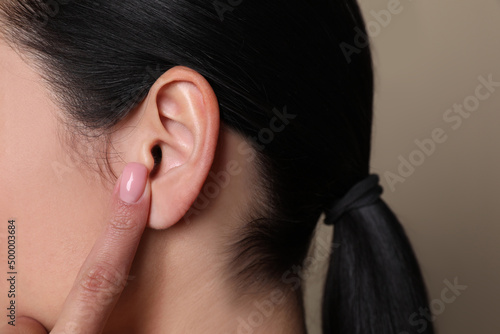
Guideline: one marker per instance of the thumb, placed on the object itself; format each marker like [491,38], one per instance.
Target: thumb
[24,325]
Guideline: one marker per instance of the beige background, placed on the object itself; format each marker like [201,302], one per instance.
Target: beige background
[428,58]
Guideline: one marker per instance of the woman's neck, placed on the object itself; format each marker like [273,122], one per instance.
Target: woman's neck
[176,285]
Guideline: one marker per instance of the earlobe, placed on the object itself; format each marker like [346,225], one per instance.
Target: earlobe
[175,135]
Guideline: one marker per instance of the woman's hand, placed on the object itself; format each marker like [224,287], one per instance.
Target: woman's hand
[104,273]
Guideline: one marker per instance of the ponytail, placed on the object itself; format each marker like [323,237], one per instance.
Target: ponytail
[374,283]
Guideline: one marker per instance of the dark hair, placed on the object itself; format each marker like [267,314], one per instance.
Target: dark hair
[264,59]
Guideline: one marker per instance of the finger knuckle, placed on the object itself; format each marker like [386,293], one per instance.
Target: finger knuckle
[72,328]
[102,282]
[123,220]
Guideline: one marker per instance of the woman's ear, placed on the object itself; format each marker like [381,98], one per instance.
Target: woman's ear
[174,133]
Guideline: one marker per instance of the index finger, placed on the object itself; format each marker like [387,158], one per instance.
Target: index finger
[104,273]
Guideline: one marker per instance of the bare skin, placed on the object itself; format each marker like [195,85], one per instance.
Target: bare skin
[165,275]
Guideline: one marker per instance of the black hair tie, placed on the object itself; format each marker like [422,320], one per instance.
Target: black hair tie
[365,192]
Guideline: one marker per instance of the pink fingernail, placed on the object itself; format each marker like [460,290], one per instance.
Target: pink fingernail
[133,182]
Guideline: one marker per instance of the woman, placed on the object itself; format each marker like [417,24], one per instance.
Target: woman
[241,122]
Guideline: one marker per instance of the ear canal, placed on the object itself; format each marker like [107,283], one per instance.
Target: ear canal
[157,156]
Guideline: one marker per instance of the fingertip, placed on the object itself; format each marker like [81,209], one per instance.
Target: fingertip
[133,182]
